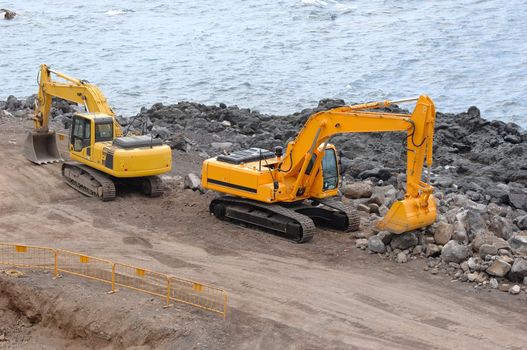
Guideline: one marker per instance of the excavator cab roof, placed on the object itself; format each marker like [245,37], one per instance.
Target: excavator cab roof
[97,117]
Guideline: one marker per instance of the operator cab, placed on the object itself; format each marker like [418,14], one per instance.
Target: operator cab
[84,125]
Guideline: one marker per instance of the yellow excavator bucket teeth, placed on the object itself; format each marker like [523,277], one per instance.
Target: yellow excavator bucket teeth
[409,214]
[41,147]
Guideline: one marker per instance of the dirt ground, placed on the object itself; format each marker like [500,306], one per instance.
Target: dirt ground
[323,294]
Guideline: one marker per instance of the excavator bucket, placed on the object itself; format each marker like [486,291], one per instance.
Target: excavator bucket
[409,214]
[41,147]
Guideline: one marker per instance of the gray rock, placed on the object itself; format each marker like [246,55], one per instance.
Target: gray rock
[443,233]
[518,199]
[518,270]
[160,132]
[385,194]
[12,103]
[222,146]
[498,268]
[501,227]
[357,190]
[521,222]
[374,208]
[476,223]
[380,173]
[401,258]
[472,264]
[361,243]
[472,276]
[385,236]
[363,207]
[432,250]
[487,249]
[518,243]
[489,239]
[404,241]
[376,245]
[493,283]
[192,181]
[178,141]
[515,289]
[460,233]
[453,251]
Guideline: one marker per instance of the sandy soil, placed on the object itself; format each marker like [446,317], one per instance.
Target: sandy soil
[324,294]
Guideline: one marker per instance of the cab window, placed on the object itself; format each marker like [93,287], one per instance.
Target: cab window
[81,133]
[330,171]
[104,132]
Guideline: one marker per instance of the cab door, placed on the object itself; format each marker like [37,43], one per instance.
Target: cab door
[80,137]
[330,170]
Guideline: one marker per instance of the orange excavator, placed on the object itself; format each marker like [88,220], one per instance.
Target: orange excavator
[290,192]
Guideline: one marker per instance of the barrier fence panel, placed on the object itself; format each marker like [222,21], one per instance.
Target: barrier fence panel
[84,266]
[199,295]
[170,288]
[27,256]
[142,280]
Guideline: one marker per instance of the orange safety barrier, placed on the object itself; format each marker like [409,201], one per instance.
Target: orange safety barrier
[168,287]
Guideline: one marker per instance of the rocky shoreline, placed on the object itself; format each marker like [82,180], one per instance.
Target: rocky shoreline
[479,171]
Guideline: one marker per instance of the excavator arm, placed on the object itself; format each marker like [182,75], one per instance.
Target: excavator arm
[41,145]
[418,207]
[74,90]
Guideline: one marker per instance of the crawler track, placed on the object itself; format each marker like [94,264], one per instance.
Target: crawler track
[89,181]
[353,218]
[271,217]
[152,186]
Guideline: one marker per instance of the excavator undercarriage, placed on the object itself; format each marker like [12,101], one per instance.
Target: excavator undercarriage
[295,221]
[94,183]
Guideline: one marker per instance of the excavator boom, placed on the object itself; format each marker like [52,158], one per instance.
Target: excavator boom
[41,144]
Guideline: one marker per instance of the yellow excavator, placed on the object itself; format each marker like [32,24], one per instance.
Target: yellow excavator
[100,155]
[290,194]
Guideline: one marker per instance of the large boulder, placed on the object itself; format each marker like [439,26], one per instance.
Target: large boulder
[379,173]
[521,222]
[455,252]
[443,233]
[489,239]
[357,190]
[518,243]
[518,199]
[404,241]
[376,245]
[476,222]
[192,181]
[384,194]
[499,268]
[518,270]
[501,227]
[13,103]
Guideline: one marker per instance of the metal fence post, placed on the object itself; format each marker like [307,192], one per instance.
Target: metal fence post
[224,305]
[113,278]
[168,291]
[56,264]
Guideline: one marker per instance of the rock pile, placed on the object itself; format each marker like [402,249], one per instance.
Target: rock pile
[471,242]
[479,171]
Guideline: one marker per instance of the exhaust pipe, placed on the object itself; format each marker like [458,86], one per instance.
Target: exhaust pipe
[40,147]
